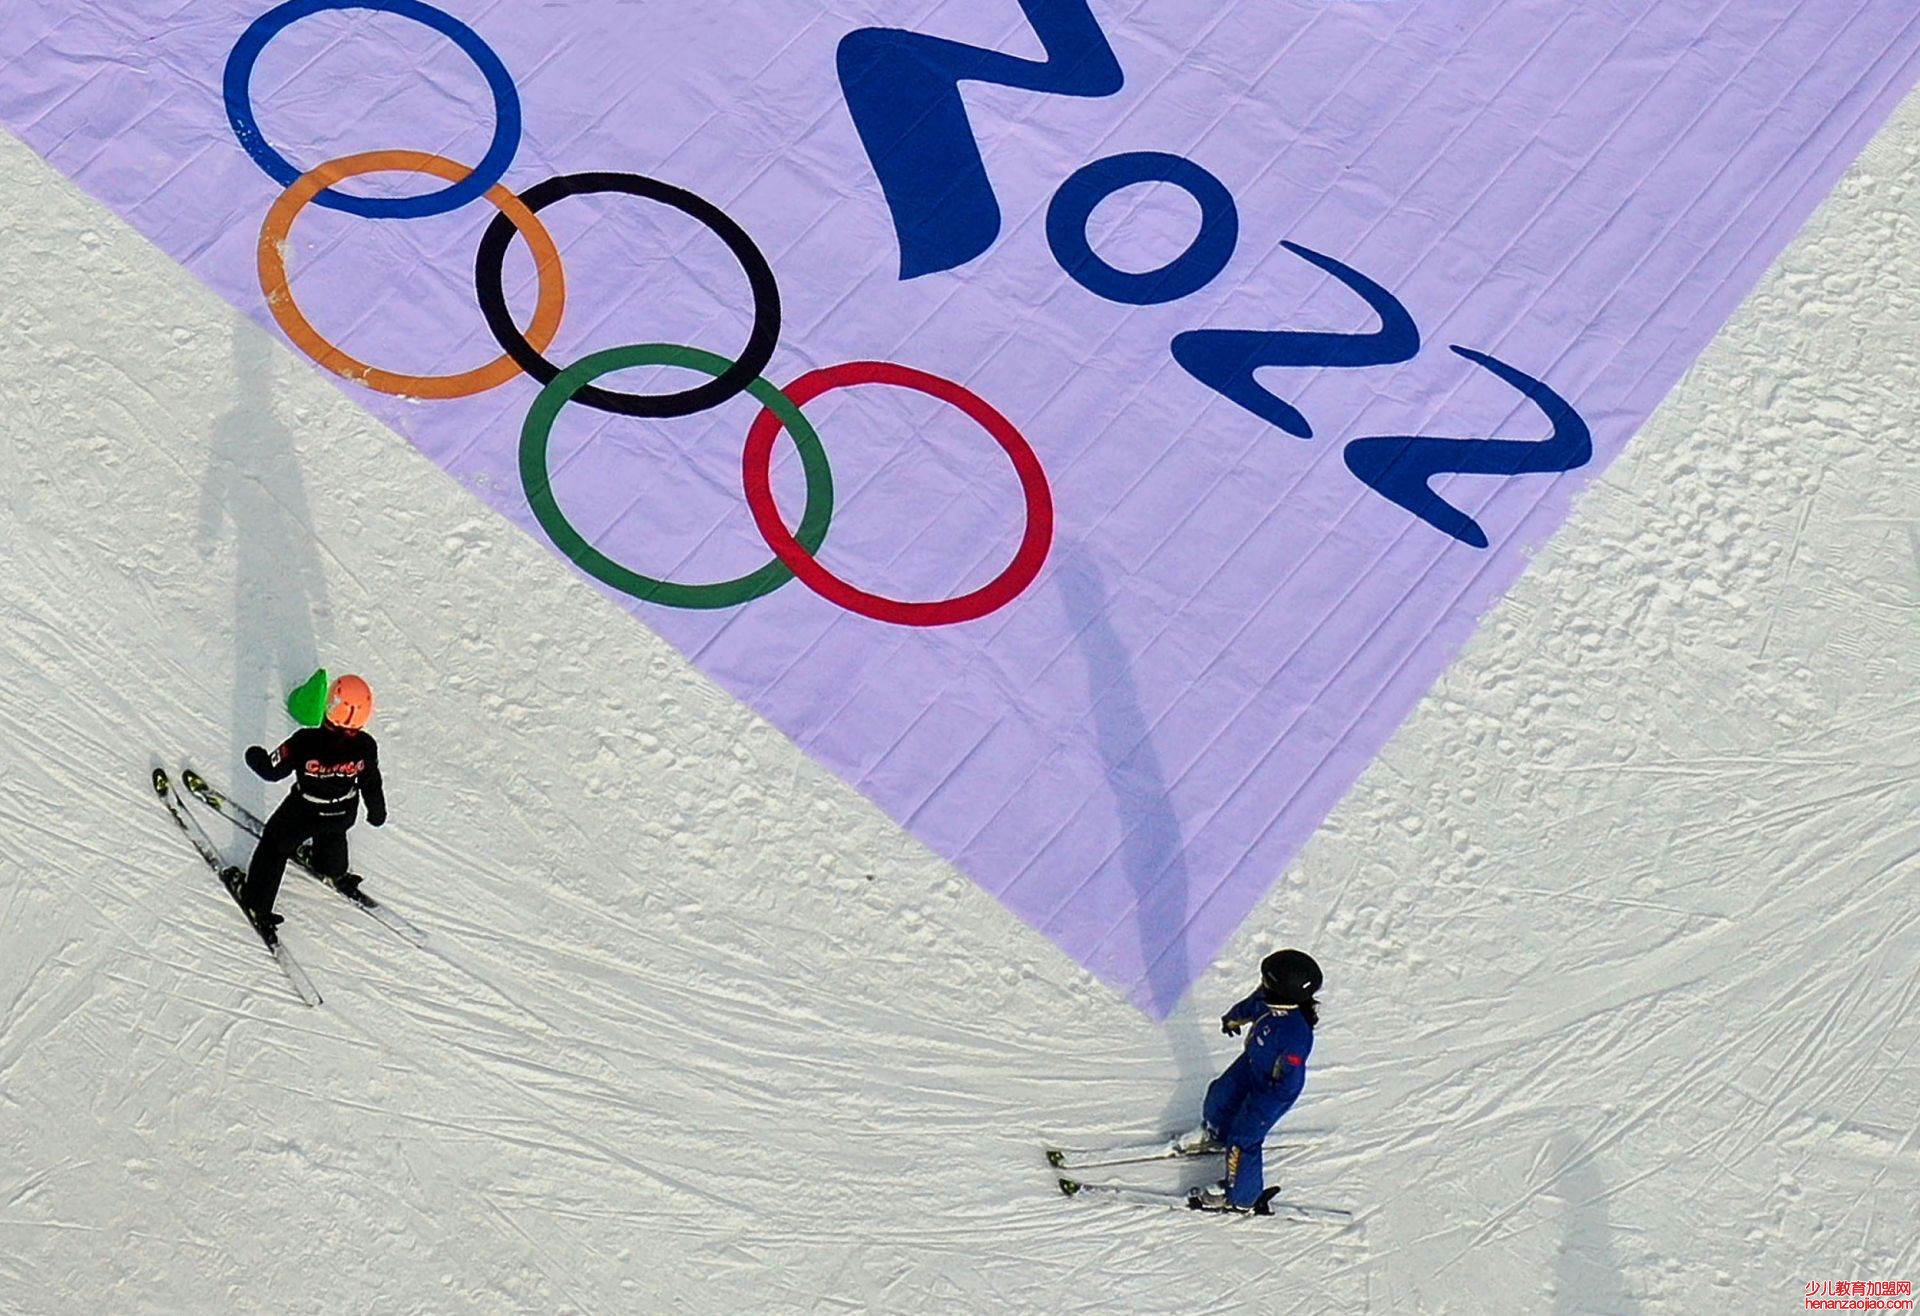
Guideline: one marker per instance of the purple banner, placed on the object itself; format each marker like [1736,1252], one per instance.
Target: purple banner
[1087,429]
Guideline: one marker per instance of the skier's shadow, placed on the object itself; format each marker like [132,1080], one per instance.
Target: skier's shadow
[1588,1277]
[1151,850]
[254,487]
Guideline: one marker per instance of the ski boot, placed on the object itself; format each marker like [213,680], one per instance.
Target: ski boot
[1198,1141]
[267,924]
[1214,1198]
[235,880]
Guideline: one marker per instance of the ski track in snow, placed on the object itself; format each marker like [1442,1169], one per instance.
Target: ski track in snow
[1620,929]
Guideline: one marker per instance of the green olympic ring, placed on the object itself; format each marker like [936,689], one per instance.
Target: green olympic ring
[534,478]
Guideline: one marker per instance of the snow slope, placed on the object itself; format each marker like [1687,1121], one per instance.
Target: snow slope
[1620,930]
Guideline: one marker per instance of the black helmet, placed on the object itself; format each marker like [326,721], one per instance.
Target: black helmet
[1289,977]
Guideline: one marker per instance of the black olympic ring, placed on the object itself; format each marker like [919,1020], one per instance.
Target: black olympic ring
[489,266]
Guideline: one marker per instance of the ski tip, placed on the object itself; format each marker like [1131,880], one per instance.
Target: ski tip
[193,779]
[1055,1157]
[159,781]
[1068,1187]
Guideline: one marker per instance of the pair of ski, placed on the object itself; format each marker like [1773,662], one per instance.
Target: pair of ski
[232,878]
[1181,1147]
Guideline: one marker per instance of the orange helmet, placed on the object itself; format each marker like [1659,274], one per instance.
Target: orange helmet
[349,703]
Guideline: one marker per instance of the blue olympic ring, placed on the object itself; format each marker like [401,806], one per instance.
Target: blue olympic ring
[491,169]
[1189,272]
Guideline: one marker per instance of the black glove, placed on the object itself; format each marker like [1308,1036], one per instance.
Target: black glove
[260,761]
[376,817]
[1231,1027]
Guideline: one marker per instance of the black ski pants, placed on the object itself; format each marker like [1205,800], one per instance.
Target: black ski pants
[296,820]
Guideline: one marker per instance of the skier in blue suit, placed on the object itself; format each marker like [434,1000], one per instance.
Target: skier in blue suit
[1246,1101]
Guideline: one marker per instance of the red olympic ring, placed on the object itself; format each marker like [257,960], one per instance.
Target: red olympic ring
[757,470]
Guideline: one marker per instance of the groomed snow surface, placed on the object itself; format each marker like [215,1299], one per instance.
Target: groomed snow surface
[1620,932]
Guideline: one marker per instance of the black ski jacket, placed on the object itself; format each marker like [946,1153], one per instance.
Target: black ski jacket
[332,768]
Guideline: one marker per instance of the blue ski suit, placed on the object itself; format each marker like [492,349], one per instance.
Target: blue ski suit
[1246,1101]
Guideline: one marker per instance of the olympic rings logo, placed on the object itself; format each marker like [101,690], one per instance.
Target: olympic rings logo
[795,550]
